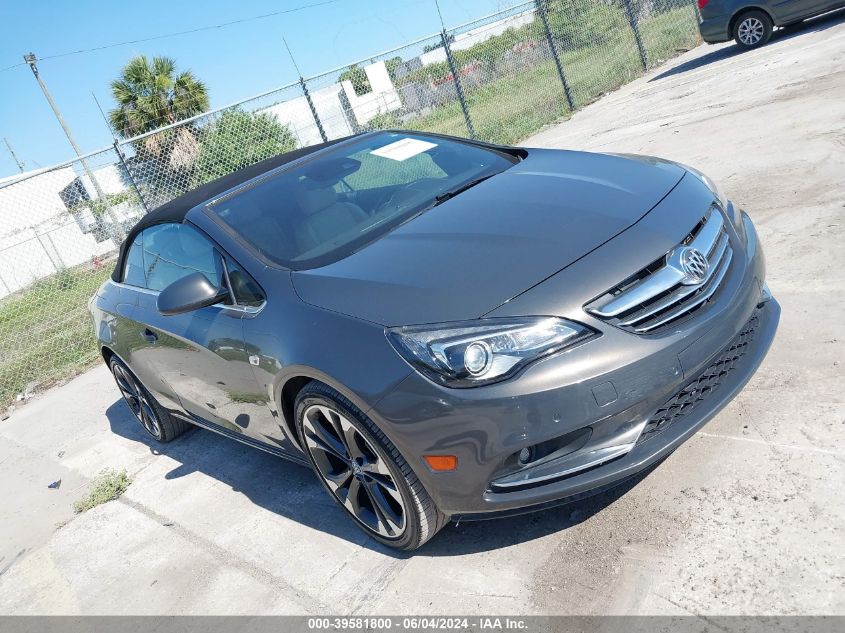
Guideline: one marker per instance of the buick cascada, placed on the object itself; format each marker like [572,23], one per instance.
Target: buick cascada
[441,328]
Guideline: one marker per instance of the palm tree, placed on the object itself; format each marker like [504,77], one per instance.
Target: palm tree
[152,95]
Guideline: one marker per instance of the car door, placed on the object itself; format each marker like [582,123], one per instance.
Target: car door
[829,5]
[199,356]
[132,339]
[789,10]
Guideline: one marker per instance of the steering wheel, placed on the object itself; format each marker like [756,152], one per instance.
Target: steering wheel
[402,195]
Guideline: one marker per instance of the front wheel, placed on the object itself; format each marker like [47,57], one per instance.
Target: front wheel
[154,418]
[363,471]
[752,29]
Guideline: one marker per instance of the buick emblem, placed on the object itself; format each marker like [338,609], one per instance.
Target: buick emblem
[694,265]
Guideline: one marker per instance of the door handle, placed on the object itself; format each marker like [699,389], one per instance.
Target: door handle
[149,335]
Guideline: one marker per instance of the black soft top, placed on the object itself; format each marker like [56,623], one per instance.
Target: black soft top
[177,209]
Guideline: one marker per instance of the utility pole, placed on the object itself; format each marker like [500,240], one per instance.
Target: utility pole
[12,152]
[31,60]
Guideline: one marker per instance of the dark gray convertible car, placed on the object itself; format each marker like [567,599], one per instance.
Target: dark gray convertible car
[441,328]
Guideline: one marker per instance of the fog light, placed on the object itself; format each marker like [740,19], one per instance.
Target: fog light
[524,456]
[477,358]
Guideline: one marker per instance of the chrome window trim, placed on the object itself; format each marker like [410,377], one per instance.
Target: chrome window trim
[251,310]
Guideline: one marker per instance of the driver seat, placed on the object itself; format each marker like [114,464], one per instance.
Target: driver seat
[324,217]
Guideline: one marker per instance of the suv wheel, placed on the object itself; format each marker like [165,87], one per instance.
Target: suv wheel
[363,471]
[154,418]
[752,29]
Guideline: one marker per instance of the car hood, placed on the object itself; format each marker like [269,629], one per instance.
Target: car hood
[469,255]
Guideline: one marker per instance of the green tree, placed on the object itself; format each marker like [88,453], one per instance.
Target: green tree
[450,37]
[383,121]
[150,94]
[358,77]
[391,65]
[580,23]
[238,139]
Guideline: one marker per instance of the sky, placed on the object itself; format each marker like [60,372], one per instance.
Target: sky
[235,62]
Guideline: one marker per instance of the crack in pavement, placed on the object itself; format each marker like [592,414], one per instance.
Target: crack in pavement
[262,575]
[772,445]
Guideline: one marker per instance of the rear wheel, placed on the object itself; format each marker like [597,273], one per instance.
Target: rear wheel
[363,471]
[752,29]
[154,418]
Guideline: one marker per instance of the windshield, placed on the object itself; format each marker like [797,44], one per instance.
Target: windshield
[327,207]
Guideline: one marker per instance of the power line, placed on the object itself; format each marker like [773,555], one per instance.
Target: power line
[178,33]
[2,70]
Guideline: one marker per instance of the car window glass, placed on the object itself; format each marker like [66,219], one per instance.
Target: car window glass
[325,208]
[244,287]
[372,173]
[173,251]
[133,271]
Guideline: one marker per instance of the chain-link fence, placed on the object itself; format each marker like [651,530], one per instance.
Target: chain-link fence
[59,234]
[499,78]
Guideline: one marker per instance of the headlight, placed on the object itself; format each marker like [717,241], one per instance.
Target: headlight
[472,353]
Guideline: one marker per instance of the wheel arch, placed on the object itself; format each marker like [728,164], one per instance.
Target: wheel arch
[290,389]
[746,9]
[287,387]
[106,352]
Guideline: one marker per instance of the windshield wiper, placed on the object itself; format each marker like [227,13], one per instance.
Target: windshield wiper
[446,195]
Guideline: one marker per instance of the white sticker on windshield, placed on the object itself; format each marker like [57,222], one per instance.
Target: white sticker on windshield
[404,149]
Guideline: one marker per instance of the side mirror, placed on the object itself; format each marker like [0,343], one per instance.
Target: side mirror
[189,293]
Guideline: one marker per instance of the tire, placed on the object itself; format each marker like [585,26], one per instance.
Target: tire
[381,494]
[752,29]
[153,418]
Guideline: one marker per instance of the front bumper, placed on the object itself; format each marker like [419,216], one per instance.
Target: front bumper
[655,444]
[623,387]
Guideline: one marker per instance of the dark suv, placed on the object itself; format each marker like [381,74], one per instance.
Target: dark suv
[750,22]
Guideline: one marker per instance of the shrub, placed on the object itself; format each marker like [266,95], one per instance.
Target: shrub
[107,487]
[238,139]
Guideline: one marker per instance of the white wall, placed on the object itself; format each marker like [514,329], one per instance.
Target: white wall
[109,177]
[296,114]
[37,234]
[382,97]
[328,102]
[472,37]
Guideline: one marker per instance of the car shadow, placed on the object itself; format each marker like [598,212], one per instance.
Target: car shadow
[811,25]
[292,491]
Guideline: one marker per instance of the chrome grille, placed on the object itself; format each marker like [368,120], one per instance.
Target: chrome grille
[674,286]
